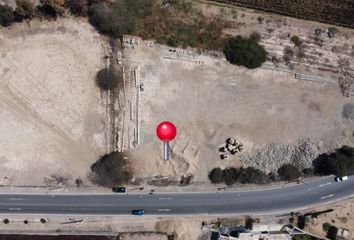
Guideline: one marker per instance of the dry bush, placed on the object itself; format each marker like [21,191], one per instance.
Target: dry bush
[109,78]
[111,170]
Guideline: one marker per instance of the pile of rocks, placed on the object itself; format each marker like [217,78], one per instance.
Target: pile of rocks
[274,155]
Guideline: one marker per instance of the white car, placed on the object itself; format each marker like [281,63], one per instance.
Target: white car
[341,179]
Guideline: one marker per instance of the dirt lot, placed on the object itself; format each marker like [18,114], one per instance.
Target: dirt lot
[47,91]
[287,111]
[210,100]
[341,217]
[53,118]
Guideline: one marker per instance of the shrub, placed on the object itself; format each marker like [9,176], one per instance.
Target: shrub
[216,175]
[288,172]
[77,7]
[51,8]
[252,175]
[244,52]
[230,175]
[303,237]
[332,232]
[178,23]
[119,18]
[186,180]
[296,40]
[6,221]
[326,226]
[6,15]
[25,9]
[109,78]
[308,172]
[255,37]
[111,169]
[249,223]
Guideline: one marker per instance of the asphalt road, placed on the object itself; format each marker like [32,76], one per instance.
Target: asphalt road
[277,200]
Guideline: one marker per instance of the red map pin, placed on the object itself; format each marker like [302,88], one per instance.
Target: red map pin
[166,131]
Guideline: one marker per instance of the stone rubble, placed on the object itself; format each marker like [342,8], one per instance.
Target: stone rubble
[274,155]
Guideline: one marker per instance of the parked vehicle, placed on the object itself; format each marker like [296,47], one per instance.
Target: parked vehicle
[224,156]
[223,149]
[138,212]
[341,179]
[119,189]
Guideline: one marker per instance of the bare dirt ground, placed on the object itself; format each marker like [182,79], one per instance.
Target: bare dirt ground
[289,110]
[53,117]
[55,122]
[341,217]
[127,227]
[210,100]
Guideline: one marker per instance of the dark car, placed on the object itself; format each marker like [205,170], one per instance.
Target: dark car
[223,149]
[224,156]
[119,189]
[138,212]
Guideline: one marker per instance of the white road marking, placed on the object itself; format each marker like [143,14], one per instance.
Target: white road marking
[16,199]
[165,198]
[322,185]
[164,210]
[328,196]
[15,209]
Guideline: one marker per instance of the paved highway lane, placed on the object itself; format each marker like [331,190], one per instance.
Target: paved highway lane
[276,200]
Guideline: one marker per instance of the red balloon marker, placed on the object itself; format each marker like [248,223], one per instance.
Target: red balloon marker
[166,131]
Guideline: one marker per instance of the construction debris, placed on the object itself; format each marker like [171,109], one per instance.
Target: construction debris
[231,146]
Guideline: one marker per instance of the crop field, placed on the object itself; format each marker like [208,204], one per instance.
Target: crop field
[328,11]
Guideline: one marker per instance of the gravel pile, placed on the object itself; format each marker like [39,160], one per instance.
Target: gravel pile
[274,155]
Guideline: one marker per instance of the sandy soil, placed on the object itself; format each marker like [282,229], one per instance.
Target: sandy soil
[210,100]
[52,115]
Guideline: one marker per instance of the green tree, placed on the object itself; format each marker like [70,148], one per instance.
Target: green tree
[340,162]
[216,175]
[6,15]
[230,175]
[112,169]
[245,52]
[288,172]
